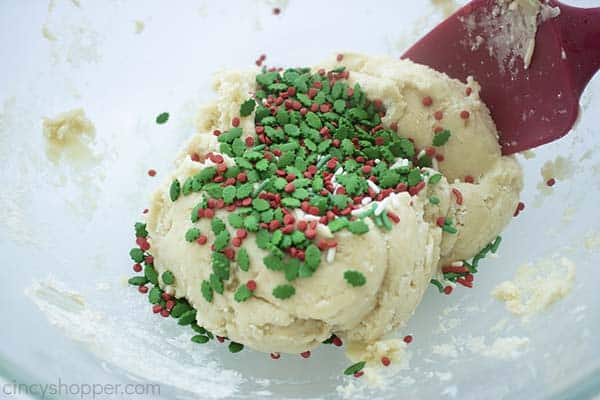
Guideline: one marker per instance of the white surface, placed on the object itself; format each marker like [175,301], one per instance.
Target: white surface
[76,224]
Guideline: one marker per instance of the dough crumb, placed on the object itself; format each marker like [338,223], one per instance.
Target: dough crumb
[446,7]
[592,241]
[69,135]
[47,34]
[139,26]
[536,287]
[561,168]
[504,348]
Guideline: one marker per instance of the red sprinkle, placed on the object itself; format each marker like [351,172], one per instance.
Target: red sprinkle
[251,285]
[438,115]
[202,239]
[458,195]
[275,356]
[427,101]
[156,308]
[305,354]
[340,57]
[152,172]
[137,267]
[337,341]
[165,313]
[359,374]
[393,216]
[468,91]
[441,221]
[195,157]
[143,289]
[550,182]
[235,122]
[276,11]
[469,179]
[407,339]
[448,289]
[454,270]
[221,339]
[465,114]
[385,361]
[216,132]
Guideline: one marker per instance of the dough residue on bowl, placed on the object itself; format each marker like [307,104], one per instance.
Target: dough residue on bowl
[537,286]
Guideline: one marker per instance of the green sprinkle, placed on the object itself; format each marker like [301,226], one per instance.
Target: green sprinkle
[247,107]
[242,294]
[437,284]
[180,308]
[222,240]
[355,278]
[273,262]
[251,223]
[175,190]
[414,177]
[207,291]
[496,244]
[354,368]
[168,278]
[435,179]
[151,274]
[260,204]
[313,120]
[192,234]
[242,259]
[138,280]
[358,227]
[229,194]
[216,283]
[235,347]
[292,130]
[154,295]
[136,254]
[338,224]
[187,318]
[198,329]
[387,224]
[140,230]
[440,139]
[162,118]
[291,269]
[312,257]
[200,339]
[449,229]
[220,265]
[434,200]
[290,202]
[217,225]
[283,292]
[235,220]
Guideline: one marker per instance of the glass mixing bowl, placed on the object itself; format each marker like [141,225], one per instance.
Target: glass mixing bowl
[68,316]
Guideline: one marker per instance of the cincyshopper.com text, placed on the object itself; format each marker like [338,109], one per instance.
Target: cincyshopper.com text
[81,390]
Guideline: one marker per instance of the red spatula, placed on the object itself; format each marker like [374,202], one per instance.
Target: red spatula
[531,106]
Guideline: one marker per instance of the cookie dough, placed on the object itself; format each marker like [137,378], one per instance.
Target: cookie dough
[397,264]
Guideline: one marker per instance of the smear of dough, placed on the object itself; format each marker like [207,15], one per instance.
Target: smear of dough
[503,348]
[47,34]
[447,7]
[69,135]
[561,168]
[509,32]
[117,341]
[537,286]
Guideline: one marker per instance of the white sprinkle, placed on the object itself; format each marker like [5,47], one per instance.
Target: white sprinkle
[421,154]
[310,217]
[373,186]
[382,206]
[324,231]
[357,211]
[366,201]
[400,162]
[377,161]
[457,264]
[434,163]
[339,171]
[331,255]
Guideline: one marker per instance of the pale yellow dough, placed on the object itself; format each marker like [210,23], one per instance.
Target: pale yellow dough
[398,264]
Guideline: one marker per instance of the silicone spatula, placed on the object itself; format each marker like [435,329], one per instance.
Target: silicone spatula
[530,106]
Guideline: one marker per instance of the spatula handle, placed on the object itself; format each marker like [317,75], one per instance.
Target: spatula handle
[580,36]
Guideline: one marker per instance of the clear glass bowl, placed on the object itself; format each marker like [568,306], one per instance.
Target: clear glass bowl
[68,226]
